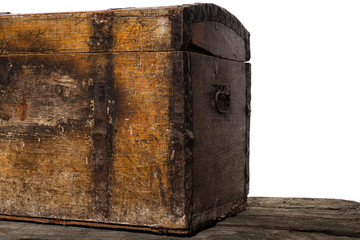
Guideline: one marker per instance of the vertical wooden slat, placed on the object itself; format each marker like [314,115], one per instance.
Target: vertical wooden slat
[248,111]
[220,138]
[102,39]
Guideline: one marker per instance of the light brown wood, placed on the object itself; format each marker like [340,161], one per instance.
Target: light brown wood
[48,133]
[79,32]
[142,144]
[45,137]
[203,26]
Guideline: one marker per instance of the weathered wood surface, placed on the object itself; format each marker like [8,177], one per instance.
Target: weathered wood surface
[172,28]
[105,117]
[265,218]
[219,138]
[61,159]
[107,139]
[214,38]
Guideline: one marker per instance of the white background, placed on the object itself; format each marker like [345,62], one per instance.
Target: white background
[305,125]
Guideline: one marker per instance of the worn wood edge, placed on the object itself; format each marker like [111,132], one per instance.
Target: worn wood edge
[104,74]
[12,230]
[124,12]
[330,217]
[248,110]
[226,232]
[68,222]
[209,217]
[218,40]
[180,141]
[258,201]
[94,31]
[188,128]
[182,17]
[201,12]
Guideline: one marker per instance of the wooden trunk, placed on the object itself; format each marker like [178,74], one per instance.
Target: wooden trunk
[133,118]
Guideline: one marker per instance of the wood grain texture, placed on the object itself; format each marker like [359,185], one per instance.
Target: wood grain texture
[218,40]
[146,171]
[117,158]
[220,139]
[248,113]
[175,28]
[326,217]
[265,218]
[45,137]
[197,13]
[73,32]
[105,118]
[143,151]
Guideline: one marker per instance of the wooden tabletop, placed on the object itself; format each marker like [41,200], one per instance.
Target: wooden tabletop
[265,218]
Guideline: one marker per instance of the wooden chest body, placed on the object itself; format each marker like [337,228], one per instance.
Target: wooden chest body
[133,118]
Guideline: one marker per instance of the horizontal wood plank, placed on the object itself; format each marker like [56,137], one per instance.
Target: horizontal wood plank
[178,28]
[250,224]
[84,32]
[328,217]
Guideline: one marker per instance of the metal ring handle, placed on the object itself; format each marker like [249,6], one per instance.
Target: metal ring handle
[222,101]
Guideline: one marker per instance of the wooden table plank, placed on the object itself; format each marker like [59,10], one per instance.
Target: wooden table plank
[265,218]
[294,217]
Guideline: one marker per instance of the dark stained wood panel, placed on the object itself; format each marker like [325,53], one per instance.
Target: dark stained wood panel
[220,138]
[218,40]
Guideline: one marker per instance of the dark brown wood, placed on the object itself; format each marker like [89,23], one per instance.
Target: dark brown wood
[265,218]
[217,40]
[210,19]
[219,137]
[248,113]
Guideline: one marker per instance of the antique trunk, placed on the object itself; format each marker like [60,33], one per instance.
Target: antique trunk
[126,118]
